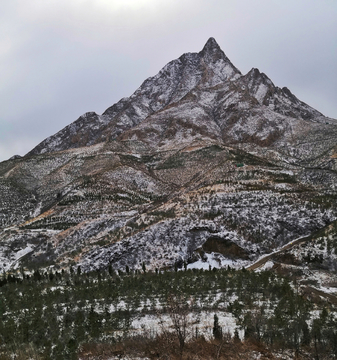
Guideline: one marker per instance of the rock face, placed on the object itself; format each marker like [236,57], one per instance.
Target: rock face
[209,68]
[198,94]
[199,158]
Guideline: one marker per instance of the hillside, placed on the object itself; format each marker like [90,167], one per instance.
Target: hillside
[196,218]
[200,165]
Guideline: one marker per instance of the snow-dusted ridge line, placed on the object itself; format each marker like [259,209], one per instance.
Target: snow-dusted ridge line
[191,74]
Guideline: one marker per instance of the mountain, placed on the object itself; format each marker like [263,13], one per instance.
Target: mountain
[201,166]
[210,67]
[200,94]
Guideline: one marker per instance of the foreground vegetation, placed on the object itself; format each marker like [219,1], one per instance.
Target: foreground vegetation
[60,315]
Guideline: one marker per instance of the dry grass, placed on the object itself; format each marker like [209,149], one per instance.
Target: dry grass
[167,348]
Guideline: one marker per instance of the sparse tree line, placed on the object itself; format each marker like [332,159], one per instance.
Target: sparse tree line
[57,312]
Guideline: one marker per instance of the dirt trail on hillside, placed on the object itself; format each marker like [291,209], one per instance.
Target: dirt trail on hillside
[332,298]
[262,261]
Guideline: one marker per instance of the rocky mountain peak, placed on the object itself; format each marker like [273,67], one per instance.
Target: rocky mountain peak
[254,75]
[211,46]
[206,84]
[212,53]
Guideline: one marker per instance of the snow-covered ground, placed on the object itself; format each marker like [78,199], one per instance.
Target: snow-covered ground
[202,324]
[12,261]
[218,261]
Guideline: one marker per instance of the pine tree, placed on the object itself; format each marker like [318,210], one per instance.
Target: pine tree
[37,275]
[306,338]
[236,336]
[217,331]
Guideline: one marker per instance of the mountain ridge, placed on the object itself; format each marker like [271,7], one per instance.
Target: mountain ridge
[198,154]
[178,80]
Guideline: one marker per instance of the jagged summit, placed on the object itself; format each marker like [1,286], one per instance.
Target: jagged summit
[213,50]
[211,46]
[208,68]
[203,91]
[217,63]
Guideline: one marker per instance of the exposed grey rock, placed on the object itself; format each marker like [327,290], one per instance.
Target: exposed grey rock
[198,154]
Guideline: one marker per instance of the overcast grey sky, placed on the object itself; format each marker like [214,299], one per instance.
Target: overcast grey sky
[62,58]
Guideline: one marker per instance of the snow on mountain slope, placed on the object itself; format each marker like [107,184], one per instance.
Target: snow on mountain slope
[200,160]
[206,80]
[173,82]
